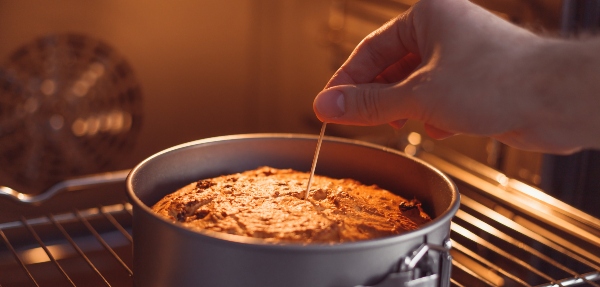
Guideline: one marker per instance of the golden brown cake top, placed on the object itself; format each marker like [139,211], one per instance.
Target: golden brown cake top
[267,203]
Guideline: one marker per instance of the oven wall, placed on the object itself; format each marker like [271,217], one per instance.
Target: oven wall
[206,68]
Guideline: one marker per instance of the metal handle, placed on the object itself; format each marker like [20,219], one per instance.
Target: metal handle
[63,186]
[418,270]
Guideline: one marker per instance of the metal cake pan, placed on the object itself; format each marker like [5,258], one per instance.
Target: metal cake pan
[168,254]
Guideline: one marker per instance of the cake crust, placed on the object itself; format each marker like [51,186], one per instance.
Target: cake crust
[268,203]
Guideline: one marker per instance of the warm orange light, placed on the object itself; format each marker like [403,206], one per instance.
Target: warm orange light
[414,138]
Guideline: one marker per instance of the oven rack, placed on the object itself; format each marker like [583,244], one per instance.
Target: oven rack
[505,234]
[88,247]
[508,233]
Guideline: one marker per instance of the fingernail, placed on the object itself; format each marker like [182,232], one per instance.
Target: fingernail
[330,103]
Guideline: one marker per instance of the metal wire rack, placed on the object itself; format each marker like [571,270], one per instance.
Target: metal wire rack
[90,247]
[506,233]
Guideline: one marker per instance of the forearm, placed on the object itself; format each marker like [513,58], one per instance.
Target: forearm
[565,91]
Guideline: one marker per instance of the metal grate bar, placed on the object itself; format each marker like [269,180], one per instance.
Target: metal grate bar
[559,242]
[474,274]
[527,200]
[504,195]
[523,204]
[45,248]
[461,248]
[498,234]
[554,204]
[128,209]
[81,253]
[575,281]
[453,282]
[115,223]
[472,236]
[14,253]
[496,206]
[525,231]
[102,241]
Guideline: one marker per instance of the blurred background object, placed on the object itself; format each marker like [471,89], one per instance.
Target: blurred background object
[70,106]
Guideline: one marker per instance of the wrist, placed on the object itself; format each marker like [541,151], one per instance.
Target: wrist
[564,89]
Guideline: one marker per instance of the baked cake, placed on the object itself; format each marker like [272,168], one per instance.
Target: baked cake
[269,203]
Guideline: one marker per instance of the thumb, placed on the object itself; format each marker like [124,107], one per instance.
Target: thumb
[364,105]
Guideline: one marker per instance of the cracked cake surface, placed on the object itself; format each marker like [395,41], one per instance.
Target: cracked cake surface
[268,203]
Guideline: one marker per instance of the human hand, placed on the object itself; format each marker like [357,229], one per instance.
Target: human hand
[460,69]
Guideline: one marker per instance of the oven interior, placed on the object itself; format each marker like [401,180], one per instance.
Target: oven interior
[526,219]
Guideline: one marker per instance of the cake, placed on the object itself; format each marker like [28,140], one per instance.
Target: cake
[269,203]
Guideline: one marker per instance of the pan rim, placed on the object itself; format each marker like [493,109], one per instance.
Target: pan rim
[242,241]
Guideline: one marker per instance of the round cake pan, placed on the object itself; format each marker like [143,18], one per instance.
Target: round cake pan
[167,254]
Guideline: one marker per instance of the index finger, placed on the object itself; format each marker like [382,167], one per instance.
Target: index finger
[380,49]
